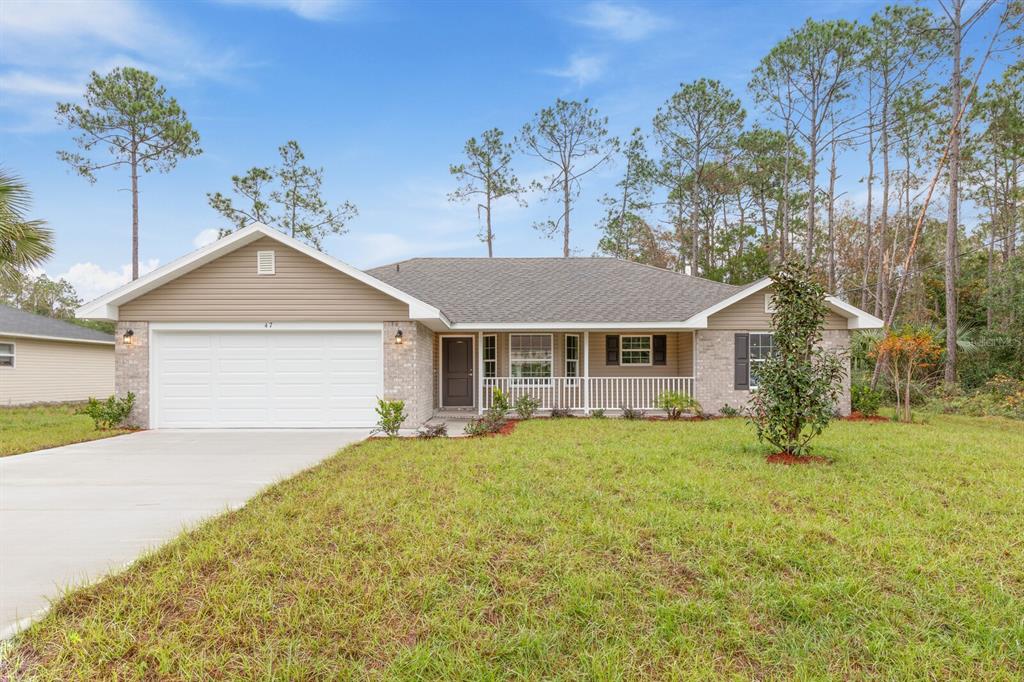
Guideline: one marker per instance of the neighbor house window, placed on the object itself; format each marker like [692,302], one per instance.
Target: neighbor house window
[635,350]
[530,356]
[762,347]
[6,355]
[572,355]
[490,356]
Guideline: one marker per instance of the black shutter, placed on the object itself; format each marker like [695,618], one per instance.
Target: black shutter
[611,349]
[742,362]
[659,349]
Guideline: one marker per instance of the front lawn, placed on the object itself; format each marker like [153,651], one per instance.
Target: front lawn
[24,429]
[586,549]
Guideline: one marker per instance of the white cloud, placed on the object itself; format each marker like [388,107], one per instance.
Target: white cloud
[313,10]
[49,48]
[581,68]
[621,22]
[207,236]
[91,280]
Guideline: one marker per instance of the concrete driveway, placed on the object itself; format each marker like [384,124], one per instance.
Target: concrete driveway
[70,514]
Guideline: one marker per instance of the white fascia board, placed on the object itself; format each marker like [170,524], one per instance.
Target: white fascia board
[63,339]
[567,326]
[856,318]
[106,306]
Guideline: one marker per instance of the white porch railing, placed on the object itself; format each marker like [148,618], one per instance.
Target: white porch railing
[588,393]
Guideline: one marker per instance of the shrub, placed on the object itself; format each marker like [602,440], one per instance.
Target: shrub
[729,411]
[489,422]
[110,413]
[631,413]
[798,387]
[499,402]
[525,406]
[865,399]
[433,431]
[905,354]
[676,404]
[560,413]
[597,414]
[1001,396]
[390,415]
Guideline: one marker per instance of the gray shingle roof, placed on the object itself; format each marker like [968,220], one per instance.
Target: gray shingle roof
[538,290]
[18,322]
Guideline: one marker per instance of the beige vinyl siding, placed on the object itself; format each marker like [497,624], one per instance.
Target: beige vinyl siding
[679,357]
[748,315]
[56,371]
[229,290]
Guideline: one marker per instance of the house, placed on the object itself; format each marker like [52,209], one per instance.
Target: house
[43,360]
[260,330]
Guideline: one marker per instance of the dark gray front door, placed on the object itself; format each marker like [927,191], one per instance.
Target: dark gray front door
[457,371]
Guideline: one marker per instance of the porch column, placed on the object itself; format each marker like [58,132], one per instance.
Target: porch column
[586,372]
[479,372]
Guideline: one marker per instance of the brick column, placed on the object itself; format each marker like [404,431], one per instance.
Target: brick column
[408,369]
[131,369]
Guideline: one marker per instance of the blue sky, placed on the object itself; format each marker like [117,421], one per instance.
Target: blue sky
[383,95]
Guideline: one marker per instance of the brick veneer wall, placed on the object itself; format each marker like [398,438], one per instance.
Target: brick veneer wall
[131,369]
[409,369]
[714,378]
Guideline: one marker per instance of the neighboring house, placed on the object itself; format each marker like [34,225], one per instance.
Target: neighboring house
[260,330]
[43,360]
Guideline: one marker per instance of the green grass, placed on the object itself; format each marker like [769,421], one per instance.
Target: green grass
[586,549]
[24,429]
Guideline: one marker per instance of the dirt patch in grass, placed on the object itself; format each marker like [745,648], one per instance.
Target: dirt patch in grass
[788,459]
[858,417]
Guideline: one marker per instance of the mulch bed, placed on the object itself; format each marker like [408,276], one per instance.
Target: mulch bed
[789,460]
[858,417]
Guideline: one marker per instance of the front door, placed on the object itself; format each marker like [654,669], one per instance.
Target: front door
[456,371]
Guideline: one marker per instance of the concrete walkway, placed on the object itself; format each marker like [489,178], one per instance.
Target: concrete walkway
[70,514]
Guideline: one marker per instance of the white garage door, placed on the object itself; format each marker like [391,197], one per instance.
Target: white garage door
[279,379]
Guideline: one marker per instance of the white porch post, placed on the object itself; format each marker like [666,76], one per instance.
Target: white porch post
[480,372]
[586,372]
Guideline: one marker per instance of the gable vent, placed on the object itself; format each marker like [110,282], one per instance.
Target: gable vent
[265,263]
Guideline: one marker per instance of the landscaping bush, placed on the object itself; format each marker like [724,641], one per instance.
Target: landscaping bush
[526,407]
[390,415]
[729,411]
[1001,396]
[489,422]
[631,412]
[499,402]
[597,414]
[560,413]
[433,431]
[799,386]
[110,413]
[865,399]
[677,404]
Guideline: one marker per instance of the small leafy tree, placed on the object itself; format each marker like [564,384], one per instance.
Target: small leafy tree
[904,354]
[110,413]
[799,387]
[390,415]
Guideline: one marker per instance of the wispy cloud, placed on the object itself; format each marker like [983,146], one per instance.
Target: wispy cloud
[581,68]
[91,280]
[49,48]
[312,10]
[620,21]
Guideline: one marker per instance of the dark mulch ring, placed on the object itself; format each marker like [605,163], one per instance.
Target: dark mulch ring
[858,417]
[789,460]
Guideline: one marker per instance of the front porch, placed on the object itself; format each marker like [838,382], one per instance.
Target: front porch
[580,371]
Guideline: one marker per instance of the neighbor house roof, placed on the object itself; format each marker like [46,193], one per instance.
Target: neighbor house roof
[553,290]
[18,323]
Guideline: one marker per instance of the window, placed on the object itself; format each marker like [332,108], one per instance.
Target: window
[490,356]
[635,350]
[762,347]
[265,264]
[6,355]
[572,355]
[530,356]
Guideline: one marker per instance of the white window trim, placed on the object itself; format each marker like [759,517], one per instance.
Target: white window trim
[750,358]
[13,356]
[650,350]
[533,381]
[565,356]
[483,357]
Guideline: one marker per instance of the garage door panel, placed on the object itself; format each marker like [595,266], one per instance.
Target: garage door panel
[267,379]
